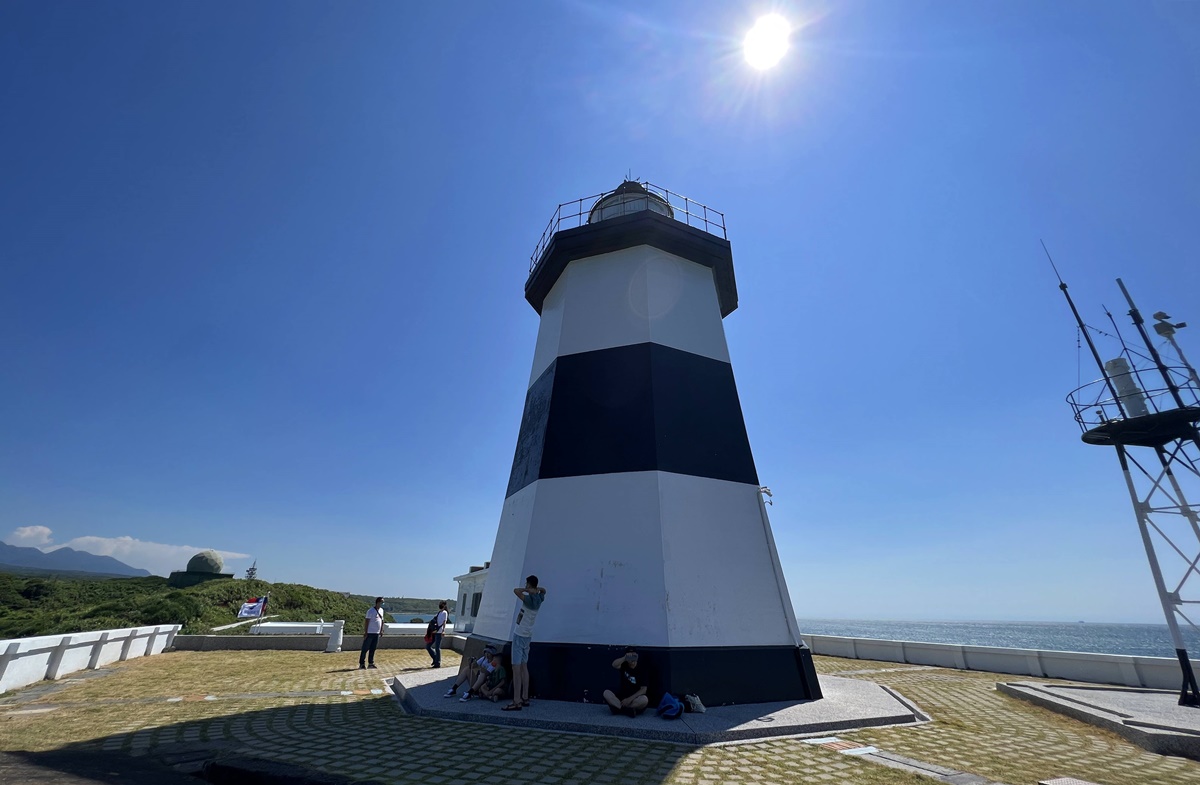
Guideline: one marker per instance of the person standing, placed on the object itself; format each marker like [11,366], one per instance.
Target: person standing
[438,625]
[372,635]
[531,597]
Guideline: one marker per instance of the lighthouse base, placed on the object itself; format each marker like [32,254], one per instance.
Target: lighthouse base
[720,675]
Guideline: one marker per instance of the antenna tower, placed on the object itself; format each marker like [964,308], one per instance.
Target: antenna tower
[1147,411]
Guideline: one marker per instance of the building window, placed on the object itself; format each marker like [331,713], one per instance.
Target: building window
[462,606]
[475,598]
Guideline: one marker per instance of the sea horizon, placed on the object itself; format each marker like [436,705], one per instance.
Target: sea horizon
[1142,639]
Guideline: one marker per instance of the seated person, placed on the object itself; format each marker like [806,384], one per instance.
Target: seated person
[630,697]
[492,685]
[469,670]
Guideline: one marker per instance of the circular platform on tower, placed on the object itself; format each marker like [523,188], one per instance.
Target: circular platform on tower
[1138,408]
[1150,430]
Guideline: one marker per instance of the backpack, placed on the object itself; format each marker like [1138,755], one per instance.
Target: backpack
[431,629]
[670,708]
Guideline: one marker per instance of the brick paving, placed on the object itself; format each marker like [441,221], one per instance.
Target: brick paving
[318,710]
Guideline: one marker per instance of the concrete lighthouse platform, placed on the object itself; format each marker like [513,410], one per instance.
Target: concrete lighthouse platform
[847,704]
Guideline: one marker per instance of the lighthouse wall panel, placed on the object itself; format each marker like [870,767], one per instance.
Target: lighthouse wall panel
[633,408]
[627,297]
[785,598]
[527,459]
[549,334]
[722,583]
[698,423]
[682,305]
[646,559]
[498,606]
[594,542]
[605,299]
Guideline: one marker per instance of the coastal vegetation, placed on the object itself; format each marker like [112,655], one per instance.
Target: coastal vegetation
[48,605]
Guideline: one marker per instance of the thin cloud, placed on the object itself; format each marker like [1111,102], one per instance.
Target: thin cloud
[30,536]
[159,558]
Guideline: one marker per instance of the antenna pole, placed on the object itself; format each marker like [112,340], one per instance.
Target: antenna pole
[1087,335]
[1141,328]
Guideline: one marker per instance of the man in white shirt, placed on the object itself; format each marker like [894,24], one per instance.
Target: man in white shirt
[531,596]
[372,635]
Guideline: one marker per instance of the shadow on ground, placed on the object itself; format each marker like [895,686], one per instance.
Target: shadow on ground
[338,742]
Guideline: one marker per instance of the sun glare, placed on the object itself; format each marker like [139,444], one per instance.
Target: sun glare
[767,41]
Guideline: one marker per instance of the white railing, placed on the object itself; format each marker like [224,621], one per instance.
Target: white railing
[1128,670]
[25,661]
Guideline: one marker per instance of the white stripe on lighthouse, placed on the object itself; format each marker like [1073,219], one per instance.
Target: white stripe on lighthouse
[635,295]
[642,559]
[499,605]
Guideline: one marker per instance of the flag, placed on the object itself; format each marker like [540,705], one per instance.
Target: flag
[253,608]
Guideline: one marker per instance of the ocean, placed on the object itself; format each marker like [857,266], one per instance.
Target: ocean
[1150,640]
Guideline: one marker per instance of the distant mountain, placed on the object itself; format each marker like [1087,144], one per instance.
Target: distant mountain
[65,559]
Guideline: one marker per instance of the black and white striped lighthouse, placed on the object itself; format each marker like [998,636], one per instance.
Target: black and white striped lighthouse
[633,494]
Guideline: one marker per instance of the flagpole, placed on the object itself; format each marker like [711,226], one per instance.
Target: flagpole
[262,610]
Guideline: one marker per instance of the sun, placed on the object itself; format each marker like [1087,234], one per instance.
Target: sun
[767,41]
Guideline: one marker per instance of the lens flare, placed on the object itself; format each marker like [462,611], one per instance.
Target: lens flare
[767,41]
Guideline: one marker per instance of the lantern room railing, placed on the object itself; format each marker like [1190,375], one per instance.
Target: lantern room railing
[575,213]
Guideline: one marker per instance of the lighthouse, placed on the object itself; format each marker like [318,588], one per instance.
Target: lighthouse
[633,494]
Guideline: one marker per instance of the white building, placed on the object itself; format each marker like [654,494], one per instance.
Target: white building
[470,596]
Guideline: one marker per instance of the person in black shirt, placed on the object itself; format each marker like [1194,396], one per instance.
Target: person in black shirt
[630,696]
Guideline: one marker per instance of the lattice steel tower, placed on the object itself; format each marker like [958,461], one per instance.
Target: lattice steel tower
[1147,411]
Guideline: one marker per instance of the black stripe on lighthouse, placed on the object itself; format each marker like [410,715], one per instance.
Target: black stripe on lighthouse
[643,407]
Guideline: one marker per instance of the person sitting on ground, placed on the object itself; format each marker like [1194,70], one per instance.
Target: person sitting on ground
[632,687]
[492,685]
[469,671]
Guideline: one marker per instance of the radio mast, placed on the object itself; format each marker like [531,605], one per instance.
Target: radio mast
[1147,411]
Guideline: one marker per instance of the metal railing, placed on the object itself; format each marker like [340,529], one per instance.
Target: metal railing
[575,213]
[1094,404]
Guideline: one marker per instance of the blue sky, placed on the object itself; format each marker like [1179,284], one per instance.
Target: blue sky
[261,273]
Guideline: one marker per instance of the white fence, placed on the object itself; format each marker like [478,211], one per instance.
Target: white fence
[25,661]
[1127,670]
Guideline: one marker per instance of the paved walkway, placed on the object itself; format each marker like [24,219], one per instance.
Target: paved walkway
[318,710]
